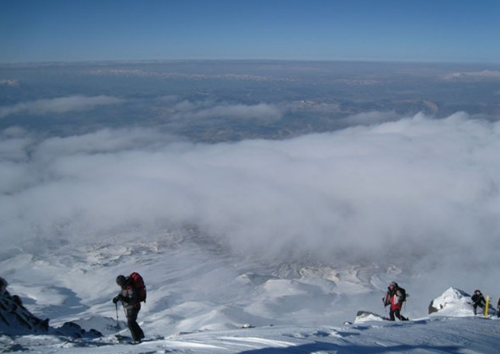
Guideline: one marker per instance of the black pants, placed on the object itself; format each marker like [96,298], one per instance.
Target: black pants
[396,313]
[133,326]
[476,306]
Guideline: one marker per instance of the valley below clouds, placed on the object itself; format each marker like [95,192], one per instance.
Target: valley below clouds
[379,172]
[413,191]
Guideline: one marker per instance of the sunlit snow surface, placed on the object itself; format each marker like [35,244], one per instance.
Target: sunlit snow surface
[200,299]
[447,335]
[288,237]
[274,211]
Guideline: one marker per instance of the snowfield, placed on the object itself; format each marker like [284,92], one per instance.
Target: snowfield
[200,301]
[253,246]
[436,335]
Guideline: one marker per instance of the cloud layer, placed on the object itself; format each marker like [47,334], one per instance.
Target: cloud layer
[209,109]
[397,190]
[58,105]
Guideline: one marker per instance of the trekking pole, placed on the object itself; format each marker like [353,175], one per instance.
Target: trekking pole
[117,322]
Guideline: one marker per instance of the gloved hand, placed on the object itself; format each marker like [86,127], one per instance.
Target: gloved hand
[116,299]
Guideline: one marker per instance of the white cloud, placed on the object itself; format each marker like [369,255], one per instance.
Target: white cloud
[58,105]
[207,109]
[402,189]
[185,110]
[9,83]
[492,75]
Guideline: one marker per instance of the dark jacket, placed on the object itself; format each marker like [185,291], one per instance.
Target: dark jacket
[478,300]
[129,297]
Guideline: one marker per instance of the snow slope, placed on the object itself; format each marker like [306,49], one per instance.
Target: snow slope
[436,335]
[200,297]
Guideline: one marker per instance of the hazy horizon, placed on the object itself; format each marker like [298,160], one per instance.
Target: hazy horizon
[387,30]
[259,162]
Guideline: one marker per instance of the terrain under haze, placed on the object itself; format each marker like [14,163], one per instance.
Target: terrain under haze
[261,192]
[214,101]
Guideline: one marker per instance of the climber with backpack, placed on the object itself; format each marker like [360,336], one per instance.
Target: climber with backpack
[478,300]
[133,292]
[395,297]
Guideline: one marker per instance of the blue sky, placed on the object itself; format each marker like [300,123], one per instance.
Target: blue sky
[387,30]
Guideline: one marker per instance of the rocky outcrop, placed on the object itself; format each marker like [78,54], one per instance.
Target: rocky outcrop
[367,316]
[15,319]
[453,302]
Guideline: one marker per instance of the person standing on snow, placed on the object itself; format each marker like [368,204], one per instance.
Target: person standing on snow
[395,297]
[478,300]
[132,305]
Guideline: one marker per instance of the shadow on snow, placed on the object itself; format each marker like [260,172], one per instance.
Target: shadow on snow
[353,349]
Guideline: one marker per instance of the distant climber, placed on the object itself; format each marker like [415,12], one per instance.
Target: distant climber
[131,301]
[478,301]
[498,308]
[395,297]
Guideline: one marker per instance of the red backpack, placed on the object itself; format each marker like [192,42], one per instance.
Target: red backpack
[138,283]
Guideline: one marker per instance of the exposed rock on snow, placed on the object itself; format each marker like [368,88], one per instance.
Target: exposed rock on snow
[366,316]
[71,329]
[453,302]
[456,303]
[15,319]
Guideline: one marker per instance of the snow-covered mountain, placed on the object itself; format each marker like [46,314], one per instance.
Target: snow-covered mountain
[290,237]
[203,300]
